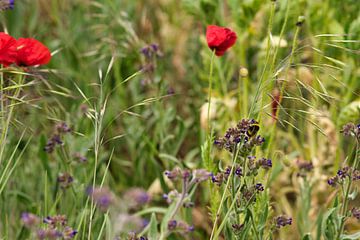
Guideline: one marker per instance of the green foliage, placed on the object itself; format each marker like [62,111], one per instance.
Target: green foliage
[130,126]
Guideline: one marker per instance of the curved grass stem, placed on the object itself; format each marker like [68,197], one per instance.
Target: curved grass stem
[291,57]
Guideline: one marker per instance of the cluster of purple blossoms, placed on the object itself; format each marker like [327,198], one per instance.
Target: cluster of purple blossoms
[253,165]
[304,167]
[29,220]
[56,228]
[342,174]
[219,178]
[356,213]
[136,198]
[243,135]
[150,52]
[60,129]
[265,163]
[350,129]
[6,4]
[282,221]
[101,196]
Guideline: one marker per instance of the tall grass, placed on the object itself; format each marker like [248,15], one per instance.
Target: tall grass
[133,117]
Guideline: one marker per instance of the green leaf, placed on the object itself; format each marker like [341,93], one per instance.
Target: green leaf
[350,113]
[153,232]
[326,221]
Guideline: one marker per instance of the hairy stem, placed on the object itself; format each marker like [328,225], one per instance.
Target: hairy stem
[235,156]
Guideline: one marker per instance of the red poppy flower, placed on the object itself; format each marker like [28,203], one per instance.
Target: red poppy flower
[31,52]
[7,49]
[220,39]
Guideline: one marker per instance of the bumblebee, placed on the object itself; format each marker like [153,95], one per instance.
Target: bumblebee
[253,129]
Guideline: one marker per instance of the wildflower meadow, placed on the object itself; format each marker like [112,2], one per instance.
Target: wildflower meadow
[180,119]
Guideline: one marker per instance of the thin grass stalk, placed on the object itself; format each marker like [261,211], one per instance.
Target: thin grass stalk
[7,122]
[267,58]
[209,94]
[97,144]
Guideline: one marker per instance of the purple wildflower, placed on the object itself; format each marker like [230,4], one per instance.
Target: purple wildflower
[356,213]
[350,129]
[102,197]
[29,220]
[6,4]
[259,187]
[333,181]
[218,179]
[69,233]
[264,163]
[343,173]
[282,221]
[136,197]
[172,224]
[238,172]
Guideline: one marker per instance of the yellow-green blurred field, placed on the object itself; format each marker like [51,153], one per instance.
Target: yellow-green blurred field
[133,117]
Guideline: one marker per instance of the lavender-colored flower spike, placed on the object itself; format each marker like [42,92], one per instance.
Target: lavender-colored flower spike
[6,4]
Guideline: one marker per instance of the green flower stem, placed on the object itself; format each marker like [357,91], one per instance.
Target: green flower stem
[177,207]
[344,207]
[235,156]
[209,93]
